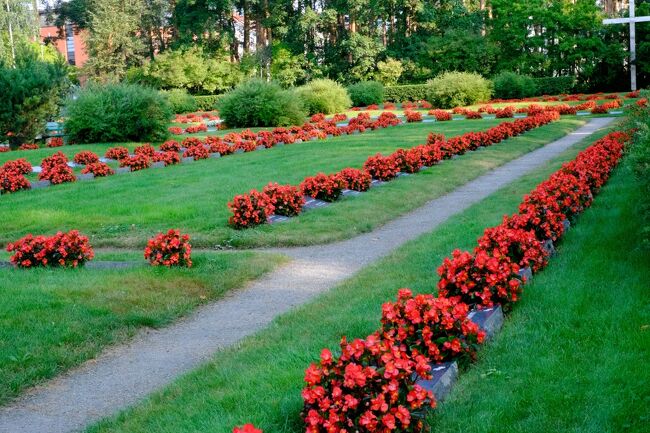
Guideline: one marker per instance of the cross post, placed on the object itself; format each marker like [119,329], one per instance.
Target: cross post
[632,20]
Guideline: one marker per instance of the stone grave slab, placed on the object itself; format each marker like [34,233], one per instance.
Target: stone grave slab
[273,219]
[312,203]
[298,140]
[350,193]
[403,174]
[158,164]
[443,378]
[215,155]
[279,143]
[616,112]
[489,320]
[429,120]
[40,184]
[526,274]
[549,247]
[377,182]
[36,169]
[183,149]
[86,176]
[106,160]
[122,170]
[260,147]
[583,113]
[239,150]
[109,264]
[187,159]
[566,224]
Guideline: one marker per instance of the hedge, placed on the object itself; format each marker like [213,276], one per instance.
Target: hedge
[207,102]
[555,85]
[410,92]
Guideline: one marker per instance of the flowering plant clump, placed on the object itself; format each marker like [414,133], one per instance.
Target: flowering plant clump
[197,152]
[145,149]
[192,129]
[167,158]
[55,142]
[435,327]
[485,278]
[170,146]
[19,166]
[472,115]
[136,162]
[322,186]
[12,180]
[430,154]
[28,146]
[98,169]
[176,130]
[117,153]
[63,249]
[520,246]
[370,387]
[413,116]
[286,199]
[355,179]
[55,169]
[440,115]
[389,106]
[191,142]
[217,145]
[381,167]
[505,113]
[169,249]
[408,161]
[85,157]
[250,209]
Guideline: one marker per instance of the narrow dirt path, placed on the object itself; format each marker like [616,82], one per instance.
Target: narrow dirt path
[125,374]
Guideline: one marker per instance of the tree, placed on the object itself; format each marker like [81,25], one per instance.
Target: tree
[113,44]
[32,93]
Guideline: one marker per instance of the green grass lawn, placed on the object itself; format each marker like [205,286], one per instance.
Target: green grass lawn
[125,210]
[588,302]
[54,319]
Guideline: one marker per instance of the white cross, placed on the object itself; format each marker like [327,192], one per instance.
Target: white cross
[632,20]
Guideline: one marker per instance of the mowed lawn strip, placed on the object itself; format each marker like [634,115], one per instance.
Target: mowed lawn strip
[126,210]
[260,380]
[54,319]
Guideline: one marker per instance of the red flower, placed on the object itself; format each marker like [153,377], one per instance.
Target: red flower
[85,157]
[322,186]
[286,199]
[354,179]
[250,209]
[98,169]
[247,428]
[117,153]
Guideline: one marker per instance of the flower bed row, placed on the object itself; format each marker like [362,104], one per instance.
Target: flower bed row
[371,384]
[71,250]
[255,207]
[56,170]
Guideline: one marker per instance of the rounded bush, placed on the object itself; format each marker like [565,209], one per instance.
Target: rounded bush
[510,85]
[260,103]
[117,113]
[453,89]
[366,93]
[181,101]
[324,96]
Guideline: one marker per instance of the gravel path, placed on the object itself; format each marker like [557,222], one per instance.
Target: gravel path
[126,374]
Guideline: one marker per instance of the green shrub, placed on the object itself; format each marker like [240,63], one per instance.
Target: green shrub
[181,101]
[366,93]
[117,112]
[260,103]
[31,93]
[453,89]
[324,96]
[409,92]
[510,85]
[555,85]
[207,102]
